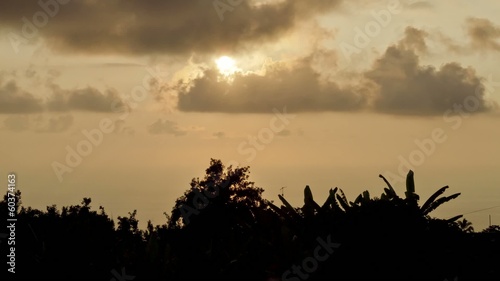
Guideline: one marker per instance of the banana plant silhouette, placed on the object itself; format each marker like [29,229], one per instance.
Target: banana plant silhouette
[432,203]
[337,203]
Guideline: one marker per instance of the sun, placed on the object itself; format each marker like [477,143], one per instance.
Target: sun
[226,65]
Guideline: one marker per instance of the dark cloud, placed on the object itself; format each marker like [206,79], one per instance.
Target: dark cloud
[14,100]
[85,99]
[414,40]
[407,88]
[298,87]
[166,127]
[160,26]
[484,34]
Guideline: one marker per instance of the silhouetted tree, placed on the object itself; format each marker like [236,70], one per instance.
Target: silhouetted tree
[465,226]
[223,218]
[492,229]
[219,188]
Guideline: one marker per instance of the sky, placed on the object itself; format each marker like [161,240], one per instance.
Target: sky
[126,101]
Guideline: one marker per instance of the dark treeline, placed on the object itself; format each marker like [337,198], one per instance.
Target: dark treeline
[222,229]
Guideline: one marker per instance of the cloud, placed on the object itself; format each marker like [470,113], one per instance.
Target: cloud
[166,127]
[219,135]
[160,26]
[39,124]
[414,39]
[397,83]
[483,36]
[284,133]
[415,4]
[54,124]
[15,100]
[17,123]
[85,99]
[297,86]
[407,88]
[483,33]
[121,128]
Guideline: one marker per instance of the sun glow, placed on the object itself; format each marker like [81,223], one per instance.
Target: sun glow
[226,65]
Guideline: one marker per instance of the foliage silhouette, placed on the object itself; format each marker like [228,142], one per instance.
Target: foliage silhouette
[218,189]
[465,226]
[235,234]
[492,229]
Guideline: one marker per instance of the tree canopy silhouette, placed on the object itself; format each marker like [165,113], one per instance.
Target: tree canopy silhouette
[221,188]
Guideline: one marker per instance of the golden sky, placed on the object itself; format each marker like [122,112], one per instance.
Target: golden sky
[125,101]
